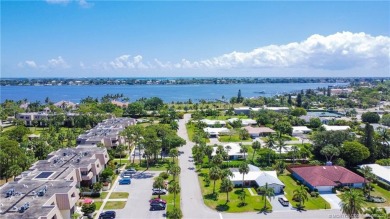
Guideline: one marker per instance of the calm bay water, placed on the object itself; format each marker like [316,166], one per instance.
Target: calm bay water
[166,92]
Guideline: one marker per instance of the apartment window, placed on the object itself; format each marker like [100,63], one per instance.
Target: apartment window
[54,217]
[98,165]
[73,195]
[71,178]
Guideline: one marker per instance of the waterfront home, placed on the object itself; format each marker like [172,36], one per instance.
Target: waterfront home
[214,132]
[234,152]
[255,132]
[381,172]
[325,178]
[257,178]
[120,104]
[63,104]
[244,122]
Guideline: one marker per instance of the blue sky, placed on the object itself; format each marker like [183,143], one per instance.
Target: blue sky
[131,38]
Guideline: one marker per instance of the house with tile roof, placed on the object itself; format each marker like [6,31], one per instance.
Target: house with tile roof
[324,178]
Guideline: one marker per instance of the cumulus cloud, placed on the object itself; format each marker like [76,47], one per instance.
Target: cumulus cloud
[334,52]
[81,3]
[58,62]
[128,62]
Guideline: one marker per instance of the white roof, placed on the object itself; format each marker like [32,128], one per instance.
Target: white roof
[215,131]
[335,128]
[235,149]
[381,171]
[213,122]
[243,121]
[255,174]
[277,108]
[301,129]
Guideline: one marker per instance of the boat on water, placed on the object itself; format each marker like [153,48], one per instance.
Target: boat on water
[259,92]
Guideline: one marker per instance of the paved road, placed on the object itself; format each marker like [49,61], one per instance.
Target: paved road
[140,191]
[191,197]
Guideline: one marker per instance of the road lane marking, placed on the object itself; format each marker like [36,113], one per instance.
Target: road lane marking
[220,216]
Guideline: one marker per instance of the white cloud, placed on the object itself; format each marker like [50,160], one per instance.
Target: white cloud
[128,62]
[85,4]
[61,2]
[58,62]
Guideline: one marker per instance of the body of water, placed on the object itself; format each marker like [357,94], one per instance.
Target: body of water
[166,92]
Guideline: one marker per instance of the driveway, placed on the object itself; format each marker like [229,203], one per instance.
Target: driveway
[332,199]
[276,206]
[140,191]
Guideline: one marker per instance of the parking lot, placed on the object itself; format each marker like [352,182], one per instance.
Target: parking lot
[140,192]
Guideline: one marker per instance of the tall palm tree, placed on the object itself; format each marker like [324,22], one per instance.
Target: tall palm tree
[159,183]
[243,169]
[295,152]
[173,153]
[270,143]
[175,171]
[367,173]
[352,203]
[384,136]
[228,148]
[226,186]
[214,174]
[244,150]
[281,145]
[174,188]
[301,195]
[267,193]
[256,145]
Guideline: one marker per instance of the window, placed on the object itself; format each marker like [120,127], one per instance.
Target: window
[73,195]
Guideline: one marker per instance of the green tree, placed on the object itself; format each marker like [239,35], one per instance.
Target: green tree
[368,141]
[370,117]
[301,195]
[173,153]
[88,208]
[226,186]
[239,97]
[281,145]
[352,203]
[217,160]
[353,152]
[175,171]
[299,100]
[386,119]
[214,174]
[315,123]
[284,127]
[377,213]
[329,151]
[270,143]
[266,192]
[298,111]
[175,213]
[280,166]
[174,188]
[256,145]
[367,173]
[243,169]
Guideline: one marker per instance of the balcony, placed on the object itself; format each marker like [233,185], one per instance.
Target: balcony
[87,176]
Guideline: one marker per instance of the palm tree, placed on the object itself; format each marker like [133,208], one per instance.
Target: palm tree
[228,148]
[367,173]
[119,150]
[243,169]
[270,143]
[159,183]
[173,153]
[214,174]
[226,186]
[384,136]
[377,213]
[352,203]
[175,213]
[281,145]
[300,194]
[244,150]
[217,160]
[175,170]
[174,188]
[226,173]
[267,192]
[255,145]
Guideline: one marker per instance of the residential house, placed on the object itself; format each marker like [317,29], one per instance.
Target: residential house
[300,130]
[336,128]
[381,172]
[325,178]
[234,152]
[255,132]
[244,122]
[214,123]
[63,104]
[257,178]
[214,132]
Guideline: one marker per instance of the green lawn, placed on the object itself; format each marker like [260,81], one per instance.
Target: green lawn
[311,204]
[379,191]
[233,138]
[253,203]
[191,132]
[114,205]
[117,195]
[103,195]
[160,165]
[226,117]
[98,204]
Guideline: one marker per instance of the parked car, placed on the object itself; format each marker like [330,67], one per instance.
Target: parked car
[126,174]
[124,181]
[283,201]
[157,200]
[157,206]
[159,191]
[131,171]
[107,215]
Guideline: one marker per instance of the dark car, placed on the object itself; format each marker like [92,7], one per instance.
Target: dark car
[157,206]
[158,200]
[107,214]
[124,181]
[159,191]
[131,170]
[283,201]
